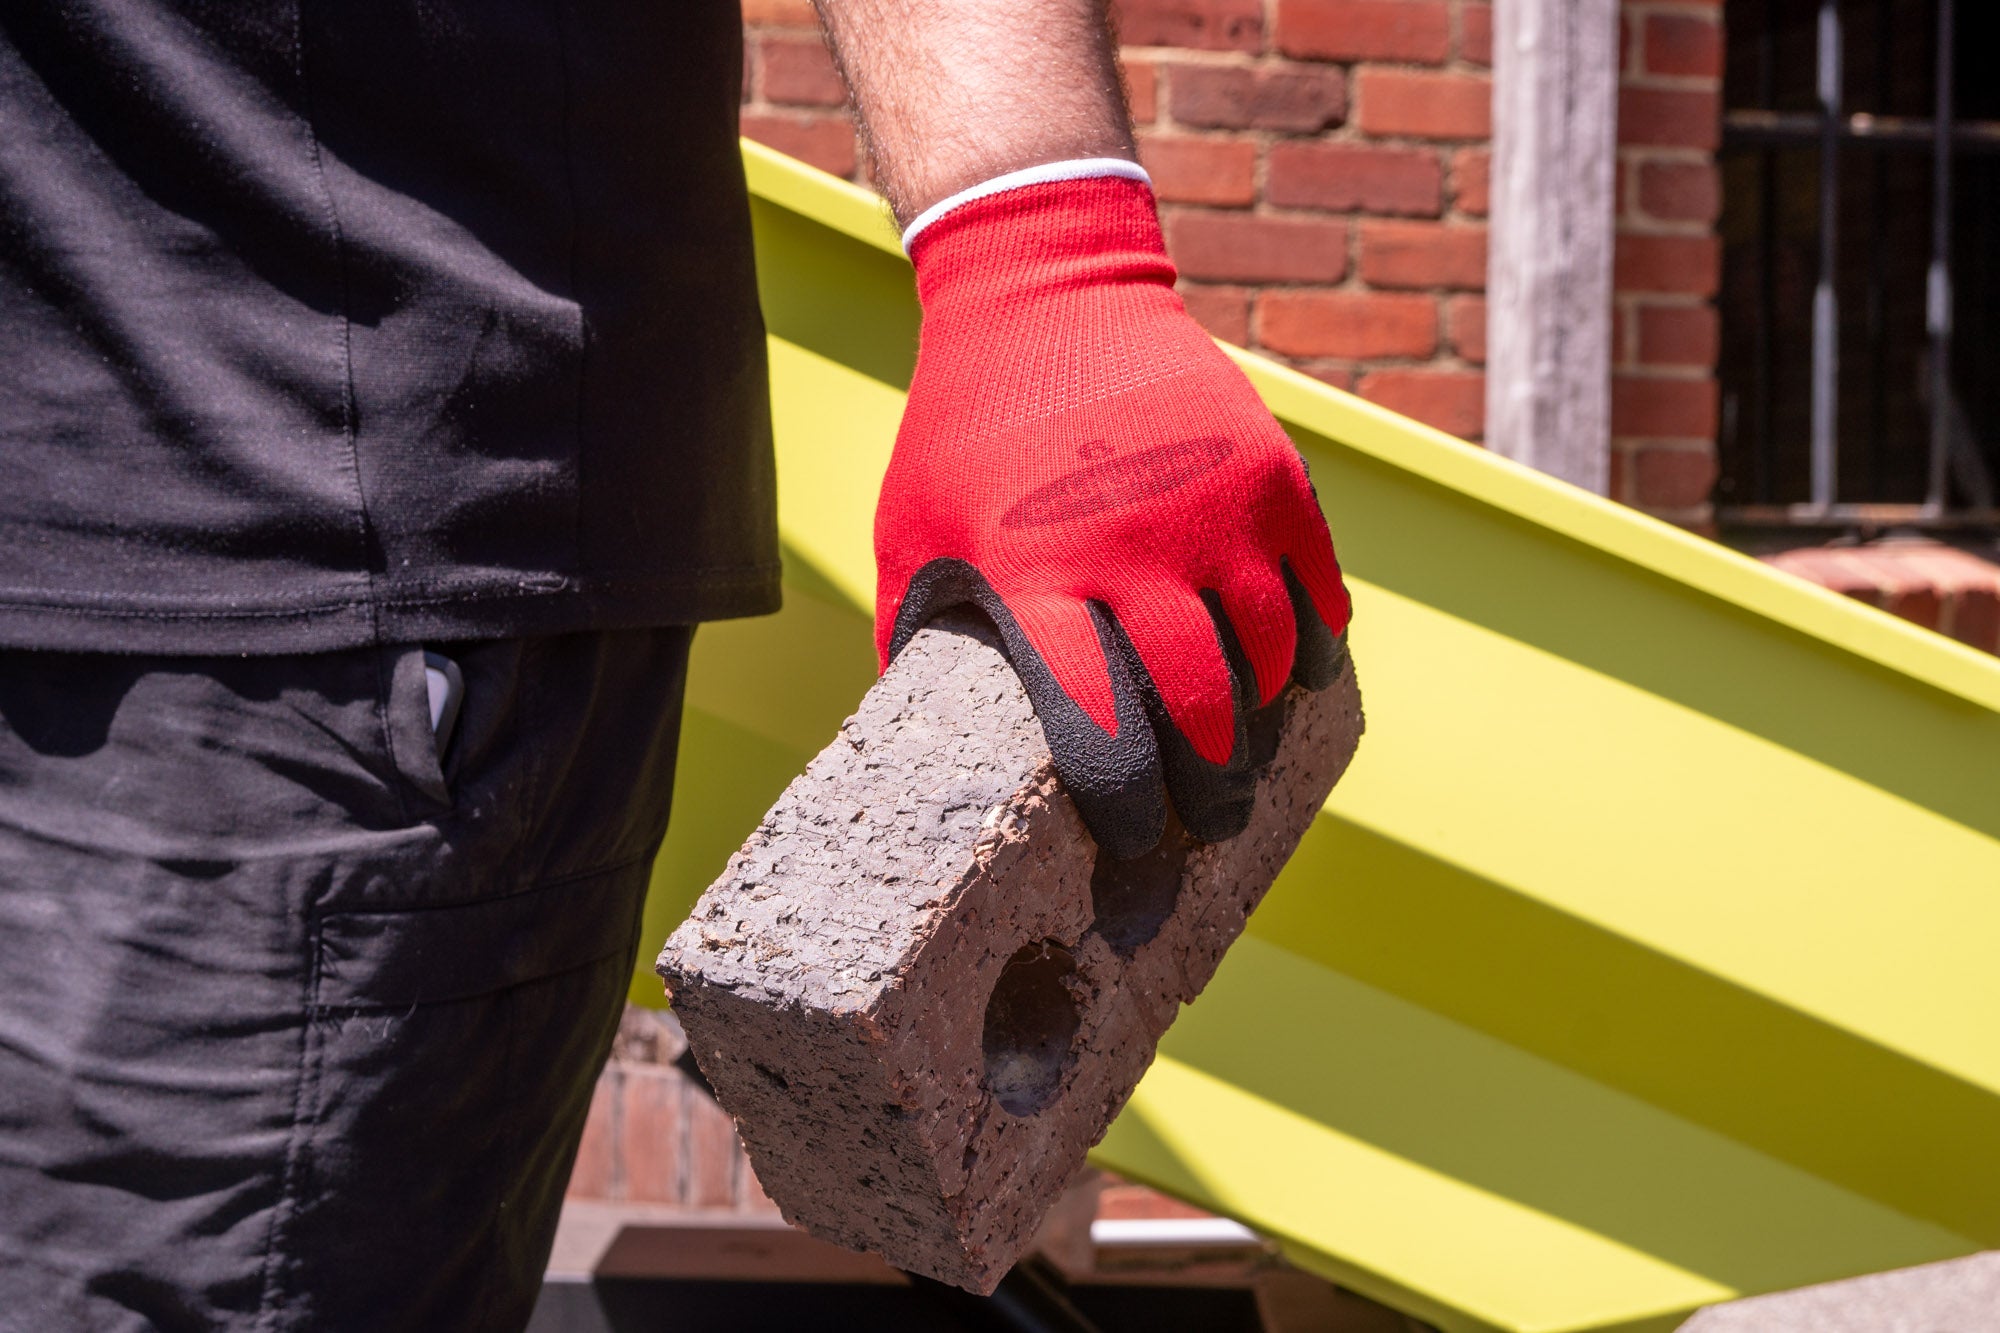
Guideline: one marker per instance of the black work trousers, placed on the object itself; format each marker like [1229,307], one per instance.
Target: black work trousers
[298,1021]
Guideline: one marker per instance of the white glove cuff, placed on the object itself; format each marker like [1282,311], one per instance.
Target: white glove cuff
[1079,168]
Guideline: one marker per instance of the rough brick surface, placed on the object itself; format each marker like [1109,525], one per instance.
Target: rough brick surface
[1223,310]
[1348,324]
[1466,318]
[1475,34]
[1423,254]
[1673,477]
[1188,170]
[1203,25]
[1295,99]
[1664,408]
[1233,247]
[800,72]
[1680,191]
[919,992]
[1453,401]
[1681,264]
[1338,177]
[1683,45]
[779,13]
[825,141]
[1677,335]
[1670,117]
[1953,591]
[1425,106]
[1142,90]
[1471,180]
[1414,30]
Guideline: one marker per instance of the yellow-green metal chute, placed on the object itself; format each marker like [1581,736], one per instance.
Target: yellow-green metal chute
[1648,955]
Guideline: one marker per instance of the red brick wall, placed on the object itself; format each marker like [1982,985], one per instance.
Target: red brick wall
[1323,170]
[654,1135]
[1664,396]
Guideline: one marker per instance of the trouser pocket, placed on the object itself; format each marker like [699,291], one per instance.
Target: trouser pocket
[449,1061]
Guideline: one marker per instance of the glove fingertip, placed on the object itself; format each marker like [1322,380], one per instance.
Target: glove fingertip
[1213,800]
[1114,778]
[1320,654]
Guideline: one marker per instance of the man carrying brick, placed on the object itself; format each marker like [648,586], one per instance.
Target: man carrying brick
[337,333]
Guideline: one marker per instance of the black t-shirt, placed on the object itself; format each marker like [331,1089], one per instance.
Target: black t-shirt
[325,322]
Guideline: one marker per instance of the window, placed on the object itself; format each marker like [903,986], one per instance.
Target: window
[1861,266]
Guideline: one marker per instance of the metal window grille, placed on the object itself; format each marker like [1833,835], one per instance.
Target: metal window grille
[1861,290]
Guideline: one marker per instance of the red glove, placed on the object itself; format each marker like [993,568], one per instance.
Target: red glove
[1080,461]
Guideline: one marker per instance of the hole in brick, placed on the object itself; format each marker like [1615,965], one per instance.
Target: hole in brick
[1031,1023]
[1133,899]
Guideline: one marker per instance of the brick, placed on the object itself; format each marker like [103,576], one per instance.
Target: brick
[823,141]
[1223,311]
[919,990]
[1337,373]
[1423,254]
[647,1037]
[1901,589]
[1475,37]
[1668,118]
[1919,606]
[1975,619]
[1966,588]
[1235,247]
[779,14]
[1683,45]
[596,1167]
[1128,1202]
[1064,1236]
[1691,265]
[799,72]
[1679,191]
[1189,170]
[1945,568]
[1834,570]
[1664,477]
[1658,408]
[1679,335]
[1405,182]
[1201,25]
[1471,180]
[1291,99]
[1617,487]
[1465,318]
[1454,401]
[1417,31]
[652,1136]
[1355,325]
[712,1149]
[1142,90]
[1425,106]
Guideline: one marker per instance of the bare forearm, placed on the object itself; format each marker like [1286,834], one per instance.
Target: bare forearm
[954,92]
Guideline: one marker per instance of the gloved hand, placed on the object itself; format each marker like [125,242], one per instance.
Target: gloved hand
[1080,461]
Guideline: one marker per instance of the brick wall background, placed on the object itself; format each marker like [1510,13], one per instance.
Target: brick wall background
[1323,170]
[1668,261]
